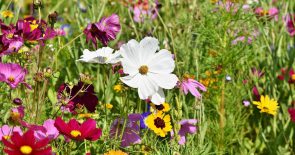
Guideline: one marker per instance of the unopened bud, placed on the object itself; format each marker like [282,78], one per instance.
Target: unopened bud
[17,101]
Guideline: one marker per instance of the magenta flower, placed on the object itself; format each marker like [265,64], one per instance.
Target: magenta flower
[74,130]
[256,93]
[273,13]
[292,114]
[188,84]
[188,126]
[33,30]
[12,74]
[290,24]
[26,145]
[131,131]
[48,130]
[105,30]
[10,40]
[6,131]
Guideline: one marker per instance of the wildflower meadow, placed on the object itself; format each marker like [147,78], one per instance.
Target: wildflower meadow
[147,77]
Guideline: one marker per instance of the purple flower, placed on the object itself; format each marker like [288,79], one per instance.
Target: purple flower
[143,116]
[188,126]
[48,130]
[12,74]
[6,131]
[81,94]
[105,30]
[131,131]
[188,84]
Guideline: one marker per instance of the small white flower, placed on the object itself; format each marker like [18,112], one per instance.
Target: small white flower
[103,55]
[228,78]
[147,69]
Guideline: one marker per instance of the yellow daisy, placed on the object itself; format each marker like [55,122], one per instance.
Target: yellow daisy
[159,123]
[109,106]
[162,107]
[114,152]
[6,14]
[267,105]
[118,88]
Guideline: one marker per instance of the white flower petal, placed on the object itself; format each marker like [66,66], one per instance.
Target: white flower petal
[88,56]
[166,81]
[146,87]
[129,67]
[159,97]
[162,62]
[114,58]
[130,53]
[148,47]
[131,81]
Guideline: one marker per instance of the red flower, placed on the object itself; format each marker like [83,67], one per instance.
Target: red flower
[292,114]
[291,76]
[26,144]
[74,130]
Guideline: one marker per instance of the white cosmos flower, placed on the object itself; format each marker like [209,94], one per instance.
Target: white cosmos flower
[148,70]
[103,55]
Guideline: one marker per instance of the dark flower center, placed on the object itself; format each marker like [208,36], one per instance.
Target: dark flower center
[159,123]
[159,107]
[143,69]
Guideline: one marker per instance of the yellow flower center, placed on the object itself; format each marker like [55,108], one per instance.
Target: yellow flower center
[6,137]
[11,79]
[143,69]
[75,133]
[33,25]
[26,149]
[9,36]
[15,116]
[293,77]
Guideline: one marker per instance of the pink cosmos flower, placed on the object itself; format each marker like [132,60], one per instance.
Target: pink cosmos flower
[188,84]
[12,74]
[143,9]
[292,114]
[48,130]
[188,126]
[105,30]
[272,13]
[6,131]
[131,131]
[290,24]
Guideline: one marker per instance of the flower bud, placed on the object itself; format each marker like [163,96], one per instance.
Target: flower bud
[17,101]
